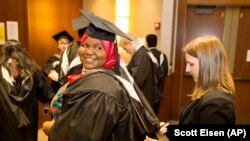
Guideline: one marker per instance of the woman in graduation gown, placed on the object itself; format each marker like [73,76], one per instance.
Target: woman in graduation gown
[96,106]
[52,65]
[21,86]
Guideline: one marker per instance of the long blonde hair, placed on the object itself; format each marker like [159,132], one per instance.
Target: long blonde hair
[213,67]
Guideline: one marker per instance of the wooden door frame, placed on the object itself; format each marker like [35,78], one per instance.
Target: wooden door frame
[175,79]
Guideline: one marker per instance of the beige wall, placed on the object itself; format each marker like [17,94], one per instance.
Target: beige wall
[144,13]
[102,8]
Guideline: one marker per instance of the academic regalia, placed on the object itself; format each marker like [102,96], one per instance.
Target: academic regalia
[162,63]
[85,102]
[96,106]
[141,69]
[69,63]
[19,107]
[55,84]
[63,35]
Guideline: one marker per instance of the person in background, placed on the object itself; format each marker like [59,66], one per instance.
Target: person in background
[70,62]
[70,66]
[52,65]
[143,70]
[160,59]
[96,105]
[214,90]
[212,101]
[22,85]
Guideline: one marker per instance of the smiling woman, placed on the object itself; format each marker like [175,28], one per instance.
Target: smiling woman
[96,105]
[92,53]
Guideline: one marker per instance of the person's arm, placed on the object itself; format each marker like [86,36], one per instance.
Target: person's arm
[51,63]
[43,89]
[160,134]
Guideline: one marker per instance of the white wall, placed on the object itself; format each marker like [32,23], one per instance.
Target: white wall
[168,30]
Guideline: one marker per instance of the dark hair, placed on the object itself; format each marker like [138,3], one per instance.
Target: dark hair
[14,50]
[81,31]
[151,40]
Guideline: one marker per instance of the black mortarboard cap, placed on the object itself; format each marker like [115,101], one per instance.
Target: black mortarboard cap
[63,34]
[97,27]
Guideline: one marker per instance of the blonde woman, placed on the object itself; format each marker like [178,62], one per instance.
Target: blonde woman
[212,101]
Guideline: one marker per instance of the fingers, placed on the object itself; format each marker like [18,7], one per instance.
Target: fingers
[163,128]
[166,124]
[162,123]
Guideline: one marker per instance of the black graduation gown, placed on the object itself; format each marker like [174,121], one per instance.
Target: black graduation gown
[95,108]
[55,85]
[19,110]
[163,68]
[69,57]
[141,69]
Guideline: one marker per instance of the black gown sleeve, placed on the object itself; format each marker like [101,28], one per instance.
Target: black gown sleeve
[44,91]
[140,69]
[49,64]
[100,120]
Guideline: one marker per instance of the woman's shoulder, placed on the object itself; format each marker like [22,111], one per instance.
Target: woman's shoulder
[102,76]
[217,96]
[100,82]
